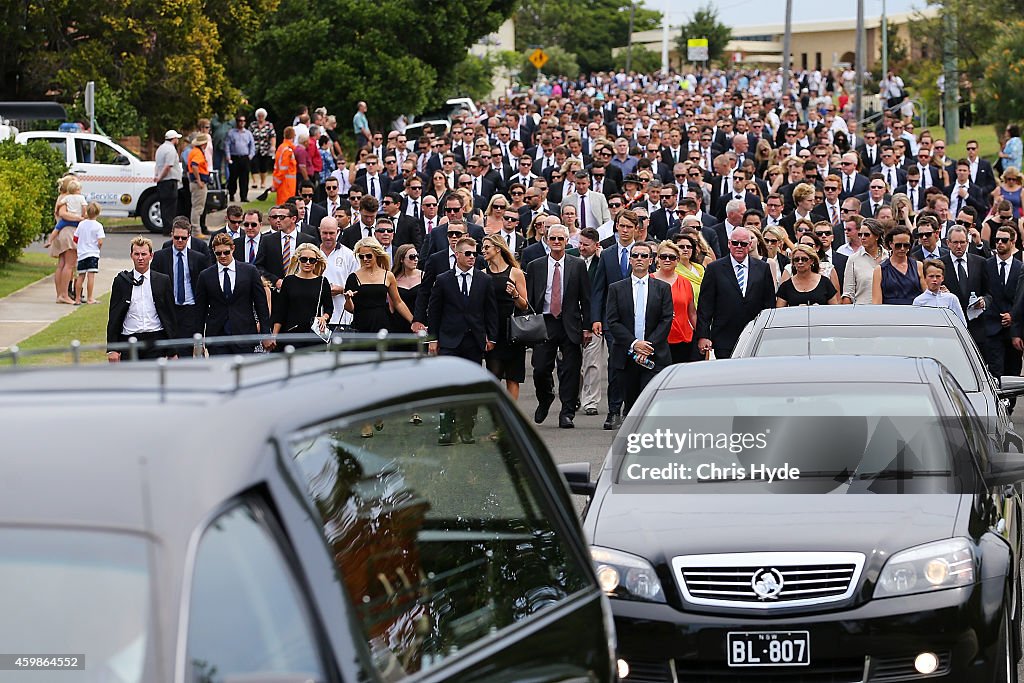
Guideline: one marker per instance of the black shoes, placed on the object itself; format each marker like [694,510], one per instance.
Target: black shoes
[565,422]
[590,411]
[613,421]
[543,406]
[448,440]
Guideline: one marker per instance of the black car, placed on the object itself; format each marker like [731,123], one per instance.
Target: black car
[884,330]
[218,521]
[807,519]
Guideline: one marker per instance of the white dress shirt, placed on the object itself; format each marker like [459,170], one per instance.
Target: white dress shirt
[746,272]
[231,275]
[142,315]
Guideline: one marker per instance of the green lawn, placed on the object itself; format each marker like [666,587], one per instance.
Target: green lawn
[985,134]
[26,270]
[87,324]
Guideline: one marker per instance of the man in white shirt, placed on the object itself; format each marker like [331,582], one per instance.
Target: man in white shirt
[248,246]
[141,306]
[341,263]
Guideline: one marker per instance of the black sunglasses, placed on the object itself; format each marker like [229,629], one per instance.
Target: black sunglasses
[739,243]
[308,259]
[638,255]
[385,230]
[222,253]
[455,233]
[366,257]
[469,254]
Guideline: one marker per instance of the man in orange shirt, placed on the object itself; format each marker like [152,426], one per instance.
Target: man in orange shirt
[198,177]
[285,167]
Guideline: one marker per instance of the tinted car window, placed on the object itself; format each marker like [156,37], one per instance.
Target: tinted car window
[60,589]
[247,614]
[95,152]
[941,343]
[439,546]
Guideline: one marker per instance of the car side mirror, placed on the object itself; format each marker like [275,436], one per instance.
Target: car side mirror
[577,475]
[1010,386]
[121,160]
[1005,469]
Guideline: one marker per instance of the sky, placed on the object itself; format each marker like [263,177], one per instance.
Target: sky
[738,13]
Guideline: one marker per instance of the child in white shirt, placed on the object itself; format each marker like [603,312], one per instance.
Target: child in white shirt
[89,237]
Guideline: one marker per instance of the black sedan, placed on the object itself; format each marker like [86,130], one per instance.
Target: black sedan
[807,519]
[889,331]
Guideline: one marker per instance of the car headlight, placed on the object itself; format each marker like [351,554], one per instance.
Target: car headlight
[930,567]
[626,576]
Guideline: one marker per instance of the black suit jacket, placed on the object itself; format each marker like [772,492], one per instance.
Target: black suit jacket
[314,214]
[408,230]
[723,310]
[860,186]
[1002,296]
[657,321]
[962,290]
[985,177]
[121,299]
[437,240]
[247,305]
[975,198]
[917,253]
[661,223]
[749,199]
[609,271]
[269,258]
[576,306]
[838,260]
[901,176]
[432,267]
[350,235]
[163,262]
[451,315]
[869,161]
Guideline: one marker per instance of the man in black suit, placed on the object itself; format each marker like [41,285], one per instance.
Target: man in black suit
[511,233]
[438,262]
[141,305]
[483,187]
[966,276]
[271,259]
[612,267]
[363,227]
[302,224]
[664,219]
[232,224]
[314,212]
[877,196]
[370,177]
[927,233]
[827,236]
[981,170]
[463,315]
[870,153]
[1002,273]
[193,243]
[734,290]
[182,266]
[248,245]
[962,192]
[851,182]
[639,313]
[558,287]
[893,175]
[407,229]
[230,300]
[438,238]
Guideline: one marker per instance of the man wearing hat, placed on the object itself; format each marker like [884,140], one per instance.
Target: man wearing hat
[168,176]
[198,176]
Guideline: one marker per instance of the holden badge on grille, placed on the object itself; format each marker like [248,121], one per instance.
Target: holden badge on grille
[767,583]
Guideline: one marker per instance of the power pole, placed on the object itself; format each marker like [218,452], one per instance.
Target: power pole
[949,69]
[859,64]
[787,45]
[629,45]
[885,42]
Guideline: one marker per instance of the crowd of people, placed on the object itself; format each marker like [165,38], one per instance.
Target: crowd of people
[627,223]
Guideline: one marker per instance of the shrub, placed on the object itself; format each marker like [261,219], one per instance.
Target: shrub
[28,191]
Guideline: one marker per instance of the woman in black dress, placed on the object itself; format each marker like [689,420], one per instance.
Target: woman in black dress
[506,360]
[807,287]
[409,279]
[305,294]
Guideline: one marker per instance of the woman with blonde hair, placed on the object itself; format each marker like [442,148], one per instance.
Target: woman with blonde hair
[777,245]
[494,215]
[67,212]
[902,210]
[305,297]
[807,286]
[684,307]
[506,360]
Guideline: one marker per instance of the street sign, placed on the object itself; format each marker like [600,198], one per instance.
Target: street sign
[697,49]
[538,58]
[737,57]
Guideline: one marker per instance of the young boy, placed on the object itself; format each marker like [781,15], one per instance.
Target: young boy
[89,236]
[934,276]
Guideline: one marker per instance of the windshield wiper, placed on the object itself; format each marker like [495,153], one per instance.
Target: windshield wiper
[903,474]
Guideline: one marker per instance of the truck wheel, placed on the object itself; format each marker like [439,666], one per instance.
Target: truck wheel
[149,211]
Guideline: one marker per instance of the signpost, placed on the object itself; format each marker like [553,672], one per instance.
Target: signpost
[538,58]
[697,50]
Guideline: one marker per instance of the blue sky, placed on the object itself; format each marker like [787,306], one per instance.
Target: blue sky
[750,12]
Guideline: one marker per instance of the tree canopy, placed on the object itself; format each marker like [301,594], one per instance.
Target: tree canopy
[588,30]
[705,24]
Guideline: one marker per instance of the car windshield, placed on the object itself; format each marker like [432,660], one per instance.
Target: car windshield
[78,593]
[941,343]
[795,438]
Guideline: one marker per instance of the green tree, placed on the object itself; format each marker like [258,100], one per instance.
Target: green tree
[1002,87]
[705,24]
[390,53]
[588,30]
[642,60]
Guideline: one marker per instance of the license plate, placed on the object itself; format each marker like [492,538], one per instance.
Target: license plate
[769,648]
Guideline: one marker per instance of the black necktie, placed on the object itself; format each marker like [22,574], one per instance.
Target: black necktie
[1002,272]
[961,272]
[227,285]
[179,280]
[465,286]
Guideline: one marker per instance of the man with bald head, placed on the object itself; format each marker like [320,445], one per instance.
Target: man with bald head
[852,183]
[341,263]
[734,290]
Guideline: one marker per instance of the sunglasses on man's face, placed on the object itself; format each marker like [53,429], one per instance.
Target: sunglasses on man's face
[739,243]
[307,197]
[222,253]
[180,238]
[469,253]
[823,233]
[233,221]
[1003,240]
[455,233]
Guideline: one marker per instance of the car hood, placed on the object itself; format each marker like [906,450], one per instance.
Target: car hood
[660,527]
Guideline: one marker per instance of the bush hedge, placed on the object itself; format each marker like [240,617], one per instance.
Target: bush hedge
[28,191]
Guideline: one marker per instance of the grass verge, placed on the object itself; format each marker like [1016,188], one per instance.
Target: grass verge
[26,270]
[985,134]
[87,324]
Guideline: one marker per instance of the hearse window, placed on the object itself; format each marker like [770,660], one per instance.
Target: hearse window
[248,617]
[439,546]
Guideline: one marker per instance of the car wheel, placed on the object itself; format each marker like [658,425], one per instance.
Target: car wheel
[1005,659]
[149,211]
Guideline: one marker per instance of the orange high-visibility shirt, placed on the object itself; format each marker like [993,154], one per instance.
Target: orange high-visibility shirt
[285,169]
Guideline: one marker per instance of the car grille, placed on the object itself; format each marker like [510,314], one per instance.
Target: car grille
[820,671]
[785,579]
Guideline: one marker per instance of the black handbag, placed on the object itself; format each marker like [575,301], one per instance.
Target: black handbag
[527,329]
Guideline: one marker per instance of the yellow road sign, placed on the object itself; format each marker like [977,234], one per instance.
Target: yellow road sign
[538,58]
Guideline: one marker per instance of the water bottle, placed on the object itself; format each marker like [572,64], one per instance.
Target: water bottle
[646,363]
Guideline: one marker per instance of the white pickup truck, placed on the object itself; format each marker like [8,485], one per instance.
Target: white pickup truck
[117,180]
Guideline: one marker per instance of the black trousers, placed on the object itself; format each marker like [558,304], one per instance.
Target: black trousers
[683,352]
[146,352]
[569,368]
[634,378]
[461,420]
[238,180]
[167,191]
[188,323]
[614,383]
[1002,358]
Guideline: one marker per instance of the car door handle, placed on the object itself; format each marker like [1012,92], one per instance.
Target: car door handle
[79,172]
